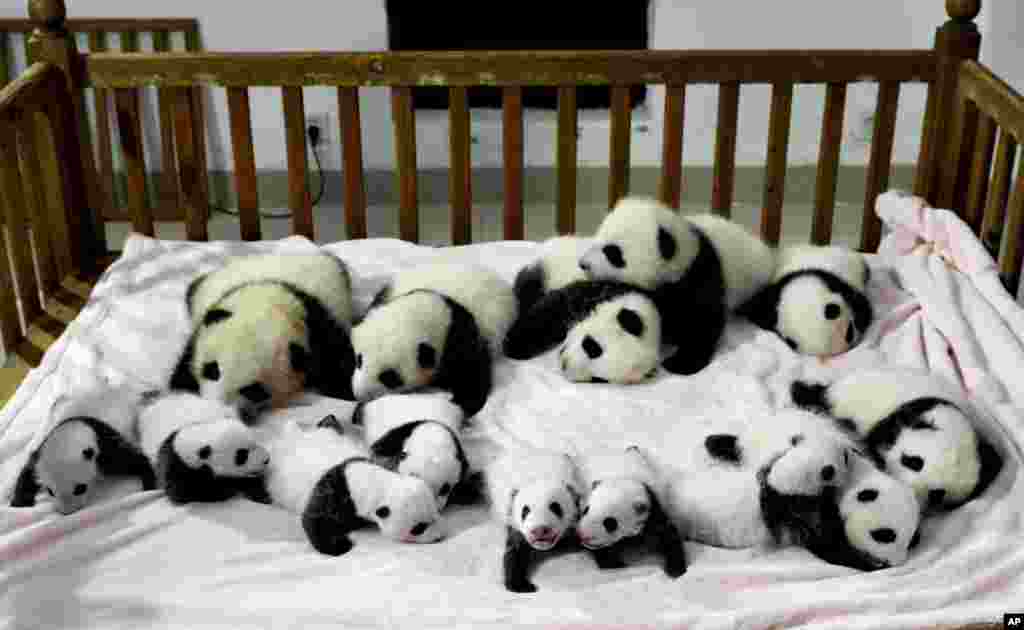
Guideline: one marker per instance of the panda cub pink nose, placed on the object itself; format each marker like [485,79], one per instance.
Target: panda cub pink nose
[542,532]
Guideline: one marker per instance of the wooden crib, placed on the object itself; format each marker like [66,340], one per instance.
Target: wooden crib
[55,248]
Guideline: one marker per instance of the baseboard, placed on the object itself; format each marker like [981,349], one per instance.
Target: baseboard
[539,185]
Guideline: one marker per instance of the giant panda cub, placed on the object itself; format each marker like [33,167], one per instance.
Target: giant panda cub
[536,495]
[608,332]
[201,449]
[557,265]
[817,301]
[265,327]
[872,524]
[913,422]
[94,437]
[325,476]
[417,434]
[623,508]
[699,268]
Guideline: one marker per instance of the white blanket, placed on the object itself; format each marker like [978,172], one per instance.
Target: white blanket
[133,560]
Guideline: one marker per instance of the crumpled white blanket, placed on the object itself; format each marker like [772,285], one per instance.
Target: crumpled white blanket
[133,560]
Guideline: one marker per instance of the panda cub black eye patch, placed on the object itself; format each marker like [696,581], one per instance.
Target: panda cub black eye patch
[631,322]
[359,360]
[913,462]
[867,496]
[426,356]
[89,453]
[390,379]
[211,371]
[216,315]
[383,512]
[556,509]
[445,489]
[831,310]
[525,513]
[419,529]
[255,392]
[666,244]
[614,255]
[299,357]
[80,489]
[205,452]
[591,347]
[885,535]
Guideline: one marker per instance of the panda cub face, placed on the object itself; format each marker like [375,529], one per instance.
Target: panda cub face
[640,242]
[616,509]
[618,342]
[880,515]
[67,467]
[226,447]
[816,319]
[399,344]
[251,350]
[937,456]
[431,454]
[407,512]
[543,512]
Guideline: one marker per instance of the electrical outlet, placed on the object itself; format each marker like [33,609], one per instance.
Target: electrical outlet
[321,120]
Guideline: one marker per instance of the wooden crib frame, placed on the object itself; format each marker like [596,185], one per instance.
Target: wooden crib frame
[55,248]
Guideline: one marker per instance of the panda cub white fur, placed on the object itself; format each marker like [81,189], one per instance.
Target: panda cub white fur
[915,424]
[93,436]
[201,449]
[624,506]
[326,477]
[608,332]
[419,339]
[266,327]
[536,495]
[699,268]
[417,434]
[557,265]
[874,523]
[817,301]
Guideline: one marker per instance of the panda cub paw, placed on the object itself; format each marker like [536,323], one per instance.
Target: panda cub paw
[213,461]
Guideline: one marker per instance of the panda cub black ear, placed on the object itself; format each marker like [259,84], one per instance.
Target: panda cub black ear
[631,322]
[723,446]
[666,244]
[426,356]
[299,357]
[215,315]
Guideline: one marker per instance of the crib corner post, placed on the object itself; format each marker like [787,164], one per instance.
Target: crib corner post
[956,40]
[52,43]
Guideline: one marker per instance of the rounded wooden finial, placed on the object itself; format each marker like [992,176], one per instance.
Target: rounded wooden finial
[48,15]
[963,10]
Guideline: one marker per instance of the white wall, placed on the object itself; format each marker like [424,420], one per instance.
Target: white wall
[736,24]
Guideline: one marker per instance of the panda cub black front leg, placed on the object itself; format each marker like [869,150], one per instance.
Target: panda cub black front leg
[609,557]
[666,539]
[517,561]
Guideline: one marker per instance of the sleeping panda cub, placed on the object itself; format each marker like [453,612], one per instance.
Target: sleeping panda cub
[817,301]
[418,339]
[417,434]
[698,267]
[536,495]
[94,437]
[557,265]
[265,327]
[325,476]
[914,423]
[201,449]
[609,332]
[624,507]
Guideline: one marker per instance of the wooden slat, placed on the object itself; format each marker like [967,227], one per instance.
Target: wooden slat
[775,171]
[193,194]
[959,151]
[925,168]
[37,203]
[999,193]
[129,127]
[503,68]
[16,222]
[1013,238]
[88,25]
[194,45]
[980,167]
[828,164]
[725,148]
[27,47]
[512,161]
[6,60]
[404,123]
[245,163]
[621,121]
[129,41]
[459,180]
[10,326]
[352,161]
[671,188]
[295,138]
[879,163]
[104,142]
[170,197]
[993,96]
[567,139]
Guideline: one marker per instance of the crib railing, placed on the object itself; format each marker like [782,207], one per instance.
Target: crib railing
[512,71]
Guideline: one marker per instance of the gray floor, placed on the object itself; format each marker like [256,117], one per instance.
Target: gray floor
[487,223]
